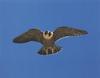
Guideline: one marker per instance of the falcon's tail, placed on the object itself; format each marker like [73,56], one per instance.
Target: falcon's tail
[49,50]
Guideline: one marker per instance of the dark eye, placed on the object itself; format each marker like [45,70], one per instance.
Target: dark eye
[46,32]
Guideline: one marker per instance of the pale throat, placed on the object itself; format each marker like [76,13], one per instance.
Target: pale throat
[47,35]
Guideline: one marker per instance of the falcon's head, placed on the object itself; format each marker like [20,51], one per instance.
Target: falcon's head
[47,35]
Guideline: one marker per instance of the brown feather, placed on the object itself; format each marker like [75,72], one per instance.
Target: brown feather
[67,31]
[30,35]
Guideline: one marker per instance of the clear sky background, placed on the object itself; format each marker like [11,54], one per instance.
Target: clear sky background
[80,56]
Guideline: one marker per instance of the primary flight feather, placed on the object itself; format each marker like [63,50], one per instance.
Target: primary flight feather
[48,38]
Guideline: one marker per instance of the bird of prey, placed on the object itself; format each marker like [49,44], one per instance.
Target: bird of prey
[47,38]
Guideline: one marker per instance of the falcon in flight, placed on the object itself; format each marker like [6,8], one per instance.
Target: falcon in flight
[48,39]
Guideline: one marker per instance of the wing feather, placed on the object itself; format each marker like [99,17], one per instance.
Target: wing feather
[67,31]
[30,35]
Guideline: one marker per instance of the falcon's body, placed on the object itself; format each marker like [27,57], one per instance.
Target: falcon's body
[49,44]
[47,39]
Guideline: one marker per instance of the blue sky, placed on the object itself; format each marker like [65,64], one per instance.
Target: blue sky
[79,58]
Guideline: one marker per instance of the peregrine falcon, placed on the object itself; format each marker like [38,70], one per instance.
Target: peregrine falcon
[47,38]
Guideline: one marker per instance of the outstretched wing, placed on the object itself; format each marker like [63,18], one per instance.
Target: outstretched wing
[67,31]
[30,35]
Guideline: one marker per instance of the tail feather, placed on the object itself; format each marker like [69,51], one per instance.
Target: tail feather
[49,50]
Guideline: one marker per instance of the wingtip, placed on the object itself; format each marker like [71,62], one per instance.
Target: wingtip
[14,41]
[17,41]
[85,32]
